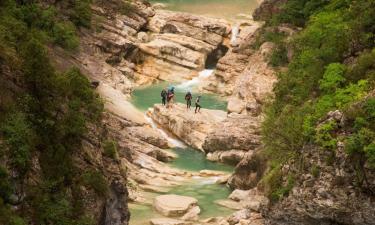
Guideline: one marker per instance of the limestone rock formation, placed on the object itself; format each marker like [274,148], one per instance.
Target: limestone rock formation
[248,171]
[329,195]
[189,127]
[181,44]
[236,132]
[268,8]
[167,221]
[109,55]
[176,205]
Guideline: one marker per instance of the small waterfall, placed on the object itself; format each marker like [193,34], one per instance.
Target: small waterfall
[235,31]
[186,86]
[173,141]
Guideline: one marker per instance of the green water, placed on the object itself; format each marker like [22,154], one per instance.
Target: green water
[145,97]
[228,9]
[193,160]
[202,188]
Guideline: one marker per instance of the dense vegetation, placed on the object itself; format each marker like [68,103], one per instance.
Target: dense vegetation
[45,116]
[333,67]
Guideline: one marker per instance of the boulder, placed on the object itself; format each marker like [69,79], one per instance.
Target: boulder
[205,25]
[248,171]
[174,205]
[189,127]
[231,157]
[236,132]
[167,221]
[235,105]
[238,216]
[268,8]
[149,135]
[192,214]
[229,204]
[211,173]
[175,53]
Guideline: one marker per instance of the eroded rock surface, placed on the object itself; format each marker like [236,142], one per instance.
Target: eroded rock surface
[175,205]
[181,44]
[190,127]
[330,196]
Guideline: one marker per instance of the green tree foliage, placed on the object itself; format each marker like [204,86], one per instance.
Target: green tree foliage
[49,116]
[332,68]
[81,13]
[110,149]
[19,139]
[333,78]
[96,181]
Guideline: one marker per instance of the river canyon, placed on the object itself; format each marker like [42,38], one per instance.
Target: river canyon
[249,157]
[205,49]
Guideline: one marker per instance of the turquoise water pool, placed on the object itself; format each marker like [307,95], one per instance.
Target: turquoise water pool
[228,9]
[205,190]
[145,97]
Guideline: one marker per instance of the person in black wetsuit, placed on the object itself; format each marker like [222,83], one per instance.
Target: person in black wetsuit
[163,97]
[170,97]
[188,98]
[197,104]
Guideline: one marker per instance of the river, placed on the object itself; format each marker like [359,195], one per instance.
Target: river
[226,9]
[205,190]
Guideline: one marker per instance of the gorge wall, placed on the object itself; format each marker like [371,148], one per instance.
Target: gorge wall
[121,156]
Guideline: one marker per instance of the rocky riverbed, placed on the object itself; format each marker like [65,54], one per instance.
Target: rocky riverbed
[152,45]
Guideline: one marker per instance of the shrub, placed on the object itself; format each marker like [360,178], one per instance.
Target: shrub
[5,187]
[81,13]
[370,154]
[315,171]
[96,181]
[325,135]
[110,149]
[283,190]
[126,7]
[279,56]
[333,78]
[19,139]
[64,34]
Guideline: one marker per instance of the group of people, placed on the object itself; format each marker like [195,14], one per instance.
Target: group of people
[168,95]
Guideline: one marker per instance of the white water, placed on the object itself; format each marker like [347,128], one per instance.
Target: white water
[172,141]
[188,85]
[235,30]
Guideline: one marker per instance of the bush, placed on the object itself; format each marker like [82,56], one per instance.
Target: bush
[126,7]
[5,187]
[110,149]
[8,217]
[315,171]
[64,34]
[273,184]
[268,36]
[96,181]
[325,135]
[279,56]
[333,78]
[19,139]
[81,13]
[283,190]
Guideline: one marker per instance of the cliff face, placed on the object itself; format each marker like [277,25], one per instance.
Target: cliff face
[322,183]
[327,189]
[267,9]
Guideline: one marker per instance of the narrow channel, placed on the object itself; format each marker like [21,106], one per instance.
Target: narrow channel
[204,189]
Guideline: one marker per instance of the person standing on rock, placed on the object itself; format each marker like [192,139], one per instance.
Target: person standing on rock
[163,96]
[197,104]
[188,98]
[170,96]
